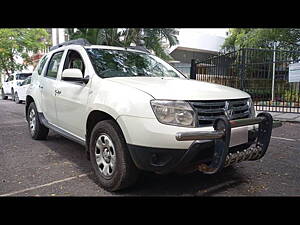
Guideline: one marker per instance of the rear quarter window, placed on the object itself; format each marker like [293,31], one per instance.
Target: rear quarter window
[42,65]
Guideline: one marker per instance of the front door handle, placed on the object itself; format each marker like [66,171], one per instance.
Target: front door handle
[57,92]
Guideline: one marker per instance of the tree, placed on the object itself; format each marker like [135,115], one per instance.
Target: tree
[20,42]
[156,39]
[287,38]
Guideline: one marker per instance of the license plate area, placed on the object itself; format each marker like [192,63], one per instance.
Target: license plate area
[239,135]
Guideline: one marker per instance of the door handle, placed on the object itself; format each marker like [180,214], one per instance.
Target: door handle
[57,92]
[40,86]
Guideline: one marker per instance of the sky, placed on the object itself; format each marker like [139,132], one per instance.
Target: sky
[212,31]
[202,38]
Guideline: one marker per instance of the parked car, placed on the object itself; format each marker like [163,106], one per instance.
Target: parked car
[10,83]
[21,89]
[133,111]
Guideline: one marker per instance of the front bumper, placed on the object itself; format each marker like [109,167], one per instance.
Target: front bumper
[210,151]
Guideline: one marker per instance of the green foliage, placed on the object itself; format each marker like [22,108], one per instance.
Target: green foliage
[19,42]
[152,37]
[291,95]
[287,38]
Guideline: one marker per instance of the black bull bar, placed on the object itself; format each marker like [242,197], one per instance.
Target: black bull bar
[221,136]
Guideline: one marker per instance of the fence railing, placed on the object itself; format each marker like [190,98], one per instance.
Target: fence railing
[252,70]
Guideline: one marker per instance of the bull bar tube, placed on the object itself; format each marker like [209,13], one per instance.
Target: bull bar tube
[221,136]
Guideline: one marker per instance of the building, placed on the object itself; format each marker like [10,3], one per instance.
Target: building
[183,55]
[58,35]
[195,44]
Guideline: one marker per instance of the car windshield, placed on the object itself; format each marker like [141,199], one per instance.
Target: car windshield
[122,63]
[22,76]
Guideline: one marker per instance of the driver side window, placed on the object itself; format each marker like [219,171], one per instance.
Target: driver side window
[74,61]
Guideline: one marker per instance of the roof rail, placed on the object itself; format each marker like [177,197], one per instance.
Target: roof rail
[140,48]
[80,41]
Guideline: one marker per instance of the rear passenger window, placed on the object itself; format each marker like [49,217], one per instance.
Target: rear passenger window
[54,65]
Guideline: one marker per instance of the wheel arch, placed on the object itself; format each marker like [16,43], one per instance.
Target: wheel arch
[93,118]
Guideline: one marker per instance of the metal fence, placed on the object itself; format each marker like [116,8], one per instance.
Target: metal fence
[263,73]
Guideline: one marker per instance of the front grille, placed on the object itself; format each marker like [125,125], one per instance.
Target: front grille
[208,111]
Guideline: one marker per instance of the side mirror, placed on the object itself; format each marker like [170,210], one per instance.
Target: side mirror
[74,75]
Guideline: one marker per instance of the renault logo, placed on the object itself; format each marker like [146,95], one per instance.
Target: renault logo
[228,112]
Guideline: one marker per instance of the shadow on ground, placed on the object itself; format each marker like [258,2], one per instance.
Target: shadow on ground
[150,184]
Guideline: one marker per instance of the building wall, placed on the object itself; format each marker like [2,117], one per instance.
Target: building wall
[185,56]
[57,36]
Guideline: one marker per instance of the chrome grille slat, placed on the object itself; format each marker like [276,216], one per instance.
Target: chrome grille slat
[206,104]
[209,118]
[240,108]
[238,102]
[240,115]
[200,111]
[208,111]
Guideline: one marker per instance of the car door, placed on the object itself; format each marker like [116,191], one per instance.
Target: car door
[7,84]
[72,98]
[48,84]
[23,88]
[20,90]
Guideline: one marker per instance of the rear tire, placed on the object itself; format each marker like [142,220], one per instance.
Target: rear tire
[110,157]
[17,100]
[3,96]
[37,130]
[12,95]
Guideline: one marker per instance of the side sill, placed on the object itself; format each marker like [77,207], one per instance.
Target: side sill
[72,137]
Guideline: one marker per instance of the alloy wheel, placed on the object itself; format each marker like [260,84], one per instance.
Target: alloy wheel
[105,155]
[32,121]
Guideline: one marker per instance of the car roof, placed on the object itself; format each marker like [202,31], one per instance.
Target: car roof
[114,48]
[131,48]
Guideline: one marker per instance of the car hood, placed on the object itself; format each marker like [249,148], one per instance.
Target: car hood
[180,89]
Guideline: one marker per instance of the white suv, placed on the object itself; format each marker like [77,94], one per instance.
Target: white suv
[133,111]
[10,84]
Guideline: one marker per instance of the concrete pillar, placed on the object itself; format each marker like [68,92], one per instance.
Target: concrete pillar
[58,36]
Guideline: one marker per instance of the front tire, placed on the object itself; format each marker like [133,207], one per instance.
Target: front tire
[110,157]
[37,130]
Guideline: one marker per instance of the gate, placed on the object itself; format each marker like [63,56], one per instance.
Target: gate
[263,73]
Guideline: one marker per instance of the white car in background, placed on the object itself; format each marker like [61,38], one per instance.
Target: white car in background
[10,83]
[21,89]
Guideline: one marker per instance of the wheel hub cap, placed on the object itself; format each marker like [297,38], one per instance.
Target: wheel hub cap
[105,155]
[32,121]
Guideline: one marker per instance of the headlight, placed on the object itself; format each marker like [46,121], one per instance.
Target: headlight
[251,108]
[177,113]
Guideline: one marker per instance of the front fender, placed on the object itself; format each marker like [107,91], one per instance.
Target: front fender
[118,100]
